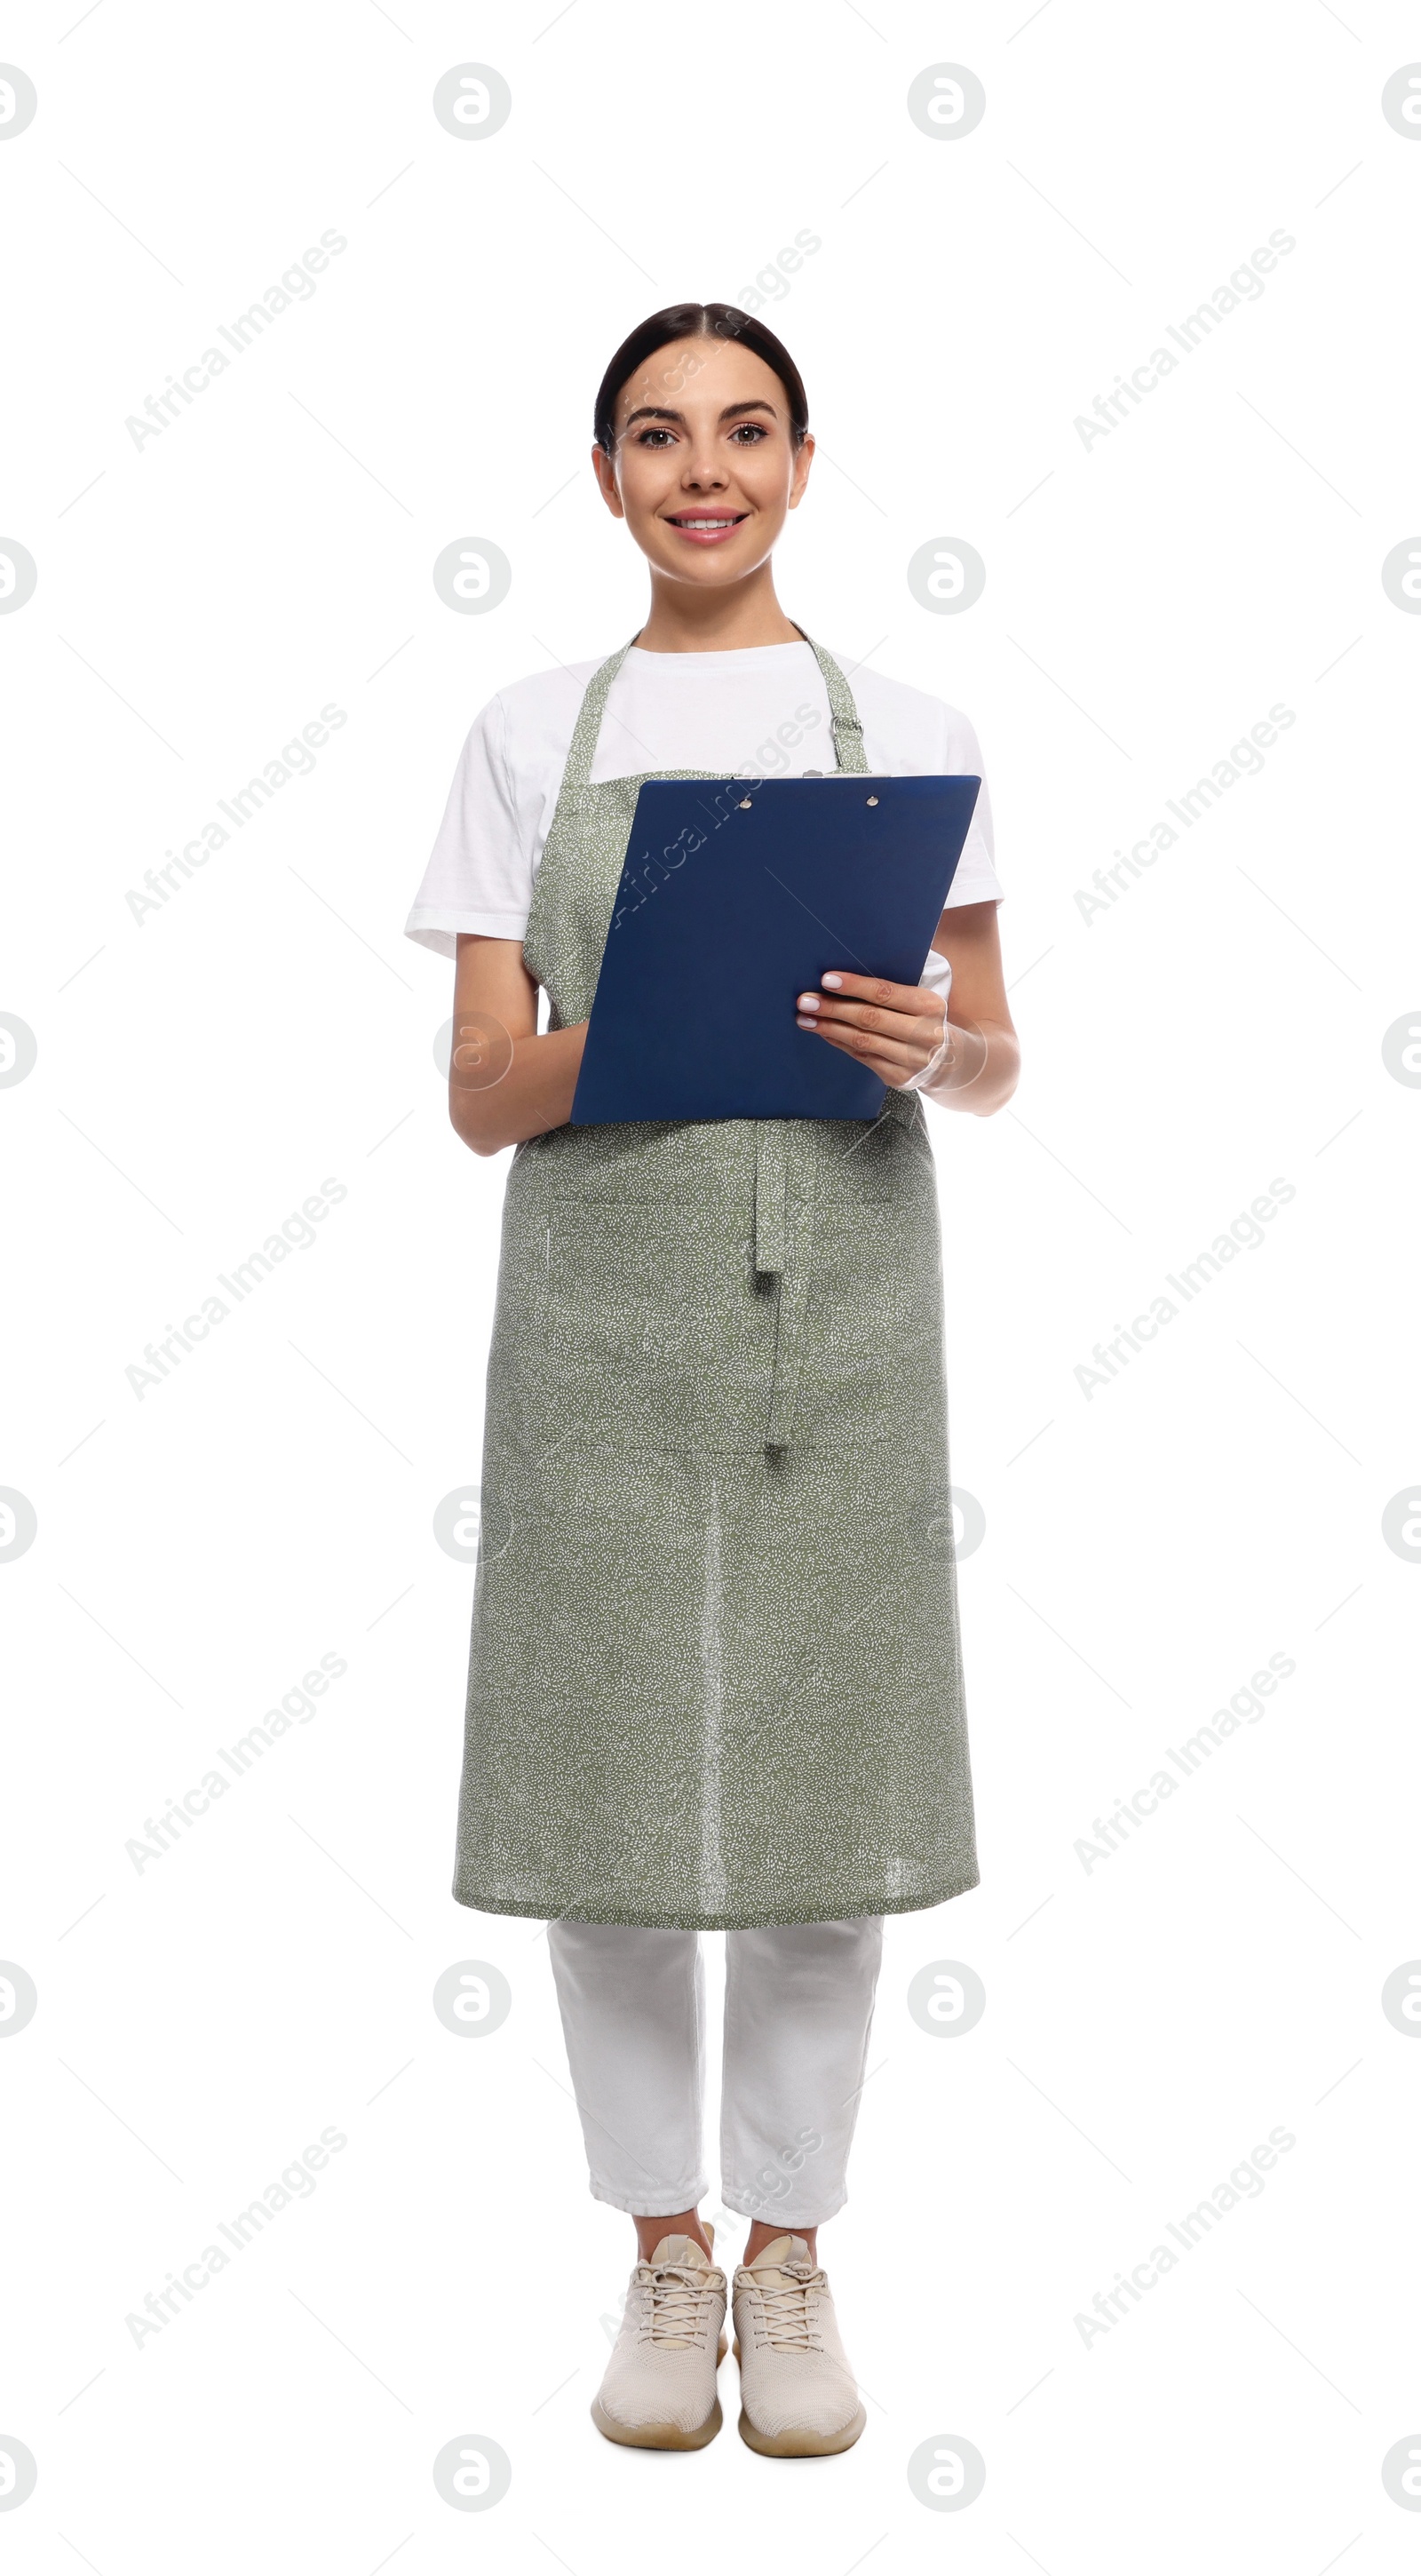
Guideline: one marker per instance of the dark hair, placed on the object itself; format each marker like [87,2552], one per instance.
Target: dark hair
[697,322]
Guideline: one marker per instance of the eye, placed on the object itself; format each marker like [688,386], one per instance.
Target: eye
[751,431]
[646,437]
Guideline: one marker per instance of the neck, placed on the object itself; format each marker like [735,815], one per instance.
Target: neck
[685,619]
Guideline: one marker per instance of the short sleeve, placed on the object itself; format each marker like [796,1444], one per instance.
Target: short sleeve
[480,871]
[975,878]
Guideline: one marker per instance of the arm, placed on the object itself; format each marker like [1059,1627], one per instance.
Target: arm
[505,1081]
[896,1029]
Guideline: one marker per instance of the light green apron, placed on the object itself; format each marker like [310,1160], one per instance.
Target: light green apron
[714,1677]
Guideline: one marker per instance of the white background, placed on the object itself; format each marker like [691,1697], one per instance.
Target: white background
[1148,1546]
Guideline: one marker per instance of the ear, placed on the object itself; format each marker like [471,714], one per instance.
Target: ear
[803,459]
[606,473]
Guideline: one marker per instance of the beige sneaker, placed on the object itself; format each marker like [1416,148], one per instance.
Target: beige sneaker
[798,2396]
[658,2392]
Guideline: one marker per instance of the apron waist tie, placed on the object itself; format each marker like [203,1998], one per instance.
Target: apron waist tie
[771,1185]
[770,1251]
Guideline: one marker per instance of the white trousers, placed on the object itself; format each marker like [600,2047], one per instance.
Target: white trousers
[798,2005]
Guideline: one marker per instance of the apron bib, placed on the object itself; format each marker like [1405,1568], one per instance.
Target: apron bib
[714,1678]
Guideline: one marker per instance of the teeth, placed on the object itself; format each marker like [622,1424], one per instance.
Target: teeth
[705,523]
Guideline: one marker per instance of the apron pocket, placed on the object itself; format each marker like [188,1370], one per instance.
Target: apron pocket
[871,1341]
[658,1334]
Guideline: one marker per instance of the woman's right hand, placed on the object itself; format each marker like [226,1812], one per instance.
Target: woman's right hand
[505,1081]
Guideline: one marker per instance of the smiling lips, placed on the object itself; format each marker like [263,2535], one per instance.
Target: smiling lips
[706,527]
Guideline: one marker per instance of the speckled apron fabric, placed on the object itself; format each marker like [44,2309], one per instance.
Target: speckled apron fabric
[714,1677]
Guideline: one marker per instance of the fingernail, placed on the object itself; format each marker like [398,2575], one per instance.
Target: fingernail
[806,1024]
[809,1001]
[833,980]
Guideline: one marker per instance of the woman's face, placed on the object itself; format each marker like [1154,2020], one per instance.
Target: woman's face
[705,466]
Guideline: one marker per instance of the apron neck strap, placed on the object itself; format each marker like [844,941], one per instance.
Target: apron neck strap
[589,720]
[843,714]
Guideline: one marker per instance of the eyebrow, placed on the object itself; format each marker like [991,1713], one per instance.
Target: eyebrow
[660,411]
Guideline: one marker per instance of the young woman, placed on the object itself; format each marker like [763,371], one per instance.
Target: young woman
[715,1680]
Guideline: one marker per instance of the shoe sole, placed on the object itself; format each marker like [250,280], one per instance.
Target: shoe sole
[662,2437]
[657,2437]
[801,2445]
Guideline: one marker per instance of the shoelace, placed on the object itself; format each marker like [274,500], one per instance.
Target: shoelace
[675,2310]
[788,2324]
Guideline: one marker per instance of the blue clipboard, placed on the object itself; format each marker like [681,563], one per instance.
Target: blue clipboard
[737,894]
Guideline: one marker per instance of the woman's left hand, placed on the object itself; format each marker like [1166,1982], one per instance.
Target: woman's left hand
[895,1029]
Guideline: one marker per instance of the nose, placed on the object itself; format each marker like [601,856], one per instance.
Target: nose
[704,470]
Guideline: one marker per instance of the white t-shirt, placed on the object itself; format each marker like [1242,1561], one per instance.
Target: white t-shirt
[760,712]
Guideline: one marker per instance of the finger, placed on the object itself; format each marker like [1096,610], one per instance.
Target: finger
[898,1075]
[862,1044]
[905,1025]
[872,988]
